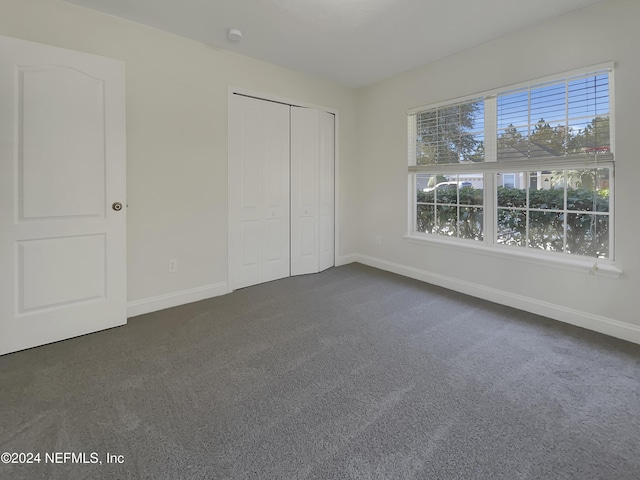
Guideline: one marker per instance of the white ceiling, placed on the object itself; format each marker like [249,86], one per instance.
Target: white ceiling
[353,42]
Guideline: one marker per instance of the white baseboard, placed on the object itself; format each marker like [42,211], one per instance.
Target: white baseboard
[153,304]
[598,323]
[346,259]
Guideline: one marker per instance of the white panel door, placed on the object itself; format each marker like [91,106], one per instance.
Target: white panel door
[326,173]
[258,191]
[312,190]
[62,166]
[305,148]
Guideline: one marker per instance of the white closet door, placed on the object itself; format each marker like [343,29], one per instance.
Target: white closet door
[62,167]
[312,190]
[326,164]
[258,191]
[305,147]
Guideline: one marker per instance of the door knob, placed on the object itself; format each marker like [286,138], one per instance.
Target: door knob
[117,206]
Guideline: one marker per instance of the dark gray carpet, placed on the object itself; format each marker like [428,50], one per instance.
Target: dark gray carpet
[352,373]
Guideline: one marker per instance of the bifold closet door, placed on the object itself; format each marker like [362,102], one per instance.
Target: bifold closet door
[312,190]
[258,191]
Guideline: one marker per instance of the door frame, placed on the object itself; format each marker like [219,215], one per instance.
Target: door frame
[336,159]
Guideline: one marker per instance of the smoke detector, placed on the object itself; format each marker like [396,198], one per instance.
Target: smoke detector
[234,34]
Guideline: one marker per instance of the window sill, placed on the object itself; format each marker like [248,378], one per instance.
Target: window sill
[602,268]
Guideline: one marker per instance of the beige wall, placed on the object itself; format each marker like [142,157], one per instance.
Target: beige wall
[607,31]
[177,136]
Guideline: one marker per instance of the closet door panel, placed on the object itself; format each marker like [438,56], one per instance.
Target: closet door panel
[275,191]
[326,164]
[304,190]
[244,187]
[258,191]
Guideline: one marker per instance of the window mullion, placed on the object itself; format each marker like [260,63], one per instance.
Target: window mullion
[612,210]
[566,116]
[528,138]
[490,211]
[412,222]
[411,143]
[527,211]
[491,129]
[566,213]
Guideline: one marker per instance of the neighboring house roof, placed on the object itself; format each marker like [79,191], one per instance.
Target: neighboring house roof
[525,150]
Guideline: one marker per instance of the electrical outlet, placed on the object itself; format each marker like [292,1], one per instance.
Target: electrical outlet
[173,265]
[378,240]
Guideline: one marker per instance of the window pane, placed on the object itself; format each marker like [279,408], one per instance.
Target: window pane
[508,180]
[472,148]
[471,189]
[589,136]
[432,183]
[548,121]
[470,224]
[602,189]
[477,117]
[547,140]
[546,189]
[447,220]
[423,193]
[512,227]
[447,192]
[589,96]
[425,218]
[585,192]
[438,203]
[511,190]
[450,134]
[513,143]
[549,103]
[448,151]
[513,109]
[426,137]
[422,181]
[581,190]
[546,231]
[588,234]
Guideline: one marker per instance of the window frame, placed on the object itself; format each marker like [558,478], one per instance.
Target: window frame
[491,166]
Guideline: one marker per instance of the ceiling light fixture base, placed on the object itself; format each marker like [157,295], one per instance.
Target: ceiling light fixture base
[234,34]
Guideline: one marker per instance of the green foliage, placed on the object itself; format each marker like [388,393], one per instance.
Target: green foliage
[510,138]
[443,135]
[468,195]
[586,234]
[550,139]
[587,200]
[559,140]
[594,137]
[511,197]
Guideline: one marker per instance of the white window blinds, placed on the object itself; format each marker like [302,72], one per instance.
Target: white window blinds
[448,134]
[569,118]
[555,121]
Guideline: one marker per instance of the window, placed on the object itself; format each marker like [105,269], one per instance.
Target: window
[449,205]
[509,180]
[529,167]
